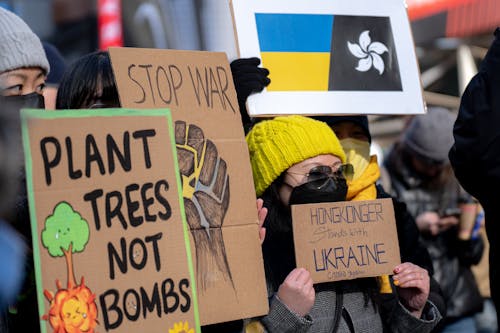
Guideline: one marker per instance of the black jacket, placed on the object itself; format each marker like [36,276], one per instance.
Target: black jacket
[475,156]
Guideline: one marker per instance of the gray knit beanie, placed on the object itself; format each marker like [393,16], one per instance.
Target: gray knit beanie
[431,135]
[19,46]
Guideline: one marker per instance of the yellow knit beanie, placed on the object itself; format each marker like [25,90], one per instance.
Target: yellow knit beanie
[275,145]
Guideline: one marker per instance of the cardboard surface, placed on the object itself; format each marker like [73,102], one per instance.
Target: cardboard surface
[110,237]
[346,240]
[330,57]
[213,157]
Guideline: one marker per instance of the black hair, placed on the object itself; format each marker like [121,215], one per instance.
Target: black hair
[278,249]
[57,64]
[361,121]
[88,80]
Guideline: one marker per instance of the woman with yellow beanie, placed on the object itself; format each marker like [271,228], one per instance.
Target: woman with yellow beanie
[298,160]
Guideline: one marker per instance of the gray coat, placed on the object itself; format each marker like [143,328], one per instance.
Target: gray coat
[359,315]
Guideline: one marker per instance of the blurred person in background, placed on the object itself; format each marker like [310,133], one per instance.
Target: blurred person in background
[421,176]
[23,69]
[57,67]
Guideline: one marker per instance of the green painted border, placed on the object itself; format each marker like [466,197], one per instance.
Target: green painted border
[27,114]
[185,224]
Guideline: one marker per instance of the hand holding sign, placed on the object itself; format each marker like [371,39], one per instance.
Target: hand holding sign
[297,291]
[262,213]
[413,286]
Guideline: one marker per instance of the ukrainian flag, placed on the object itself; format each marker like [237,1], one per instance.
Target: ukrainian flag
[296,50]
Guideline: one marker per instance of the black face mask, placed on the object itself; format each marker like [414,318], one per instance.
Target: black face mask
[10,107]
[10,118]
[322,190]
[18,102]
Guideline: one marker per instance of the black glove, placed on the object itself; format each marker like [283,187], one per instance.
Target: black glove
[248,78]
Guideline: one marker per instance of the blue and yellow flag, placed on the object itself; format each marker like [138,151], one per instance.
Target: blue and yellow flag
[321,52]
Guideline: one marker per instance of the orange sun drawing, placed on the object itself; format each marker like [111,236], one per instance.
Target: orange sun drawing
[72,310]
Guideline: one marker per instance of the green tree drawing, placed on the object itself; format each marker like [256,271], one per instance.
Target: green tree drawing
[65,232]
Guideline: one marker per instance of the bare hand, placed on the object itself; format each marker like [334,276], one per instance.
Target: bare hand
[447,222]
[428,222]
[261,213]
[297,291]
[413,286]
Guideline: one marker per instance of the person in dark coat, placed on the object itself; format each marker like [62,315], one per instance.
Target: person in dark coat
[421,176]
[475,154]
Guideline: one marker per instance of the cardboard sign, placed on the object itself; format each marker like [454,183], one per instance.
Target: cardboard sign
[330,57]
[346,240]
[218,191]
[110,237]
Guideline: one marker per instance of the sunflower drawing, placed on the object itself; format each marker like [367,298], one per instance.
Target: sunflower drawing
[181,327]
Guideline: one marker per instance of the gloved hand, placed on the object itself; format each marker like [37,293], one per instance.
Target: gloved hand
[248,78]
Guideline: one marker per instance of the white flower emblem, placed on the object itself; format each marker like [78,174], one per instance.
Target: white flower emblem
[368,53]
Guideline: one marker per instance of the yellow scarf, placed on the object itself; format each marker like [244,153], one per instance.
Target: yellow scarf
[363,188]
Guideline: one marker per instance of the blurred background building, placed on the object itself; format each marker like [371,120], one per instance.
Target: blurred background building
[451,36]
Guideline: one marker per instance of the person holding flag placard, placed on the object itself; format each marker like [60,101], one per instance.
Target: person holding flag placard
[298,160]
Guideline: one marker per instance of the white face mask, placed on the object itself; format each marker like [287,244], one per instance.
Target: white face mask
[357,153]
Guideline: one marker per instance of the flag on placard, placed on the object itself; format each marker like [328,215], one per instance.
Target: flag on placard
[298,58]
[321,52]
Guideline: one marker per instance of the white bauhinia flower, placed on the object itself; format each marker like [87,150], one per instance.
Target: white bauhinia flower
[368,53]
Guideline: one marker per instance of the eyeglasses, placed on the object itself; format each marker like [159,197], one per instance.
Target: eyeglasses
[321,172]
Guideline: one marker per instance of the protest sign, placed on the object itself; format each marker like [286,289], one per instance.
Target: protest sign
[218,191]
[330,57]
[346,240]
[110,239]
